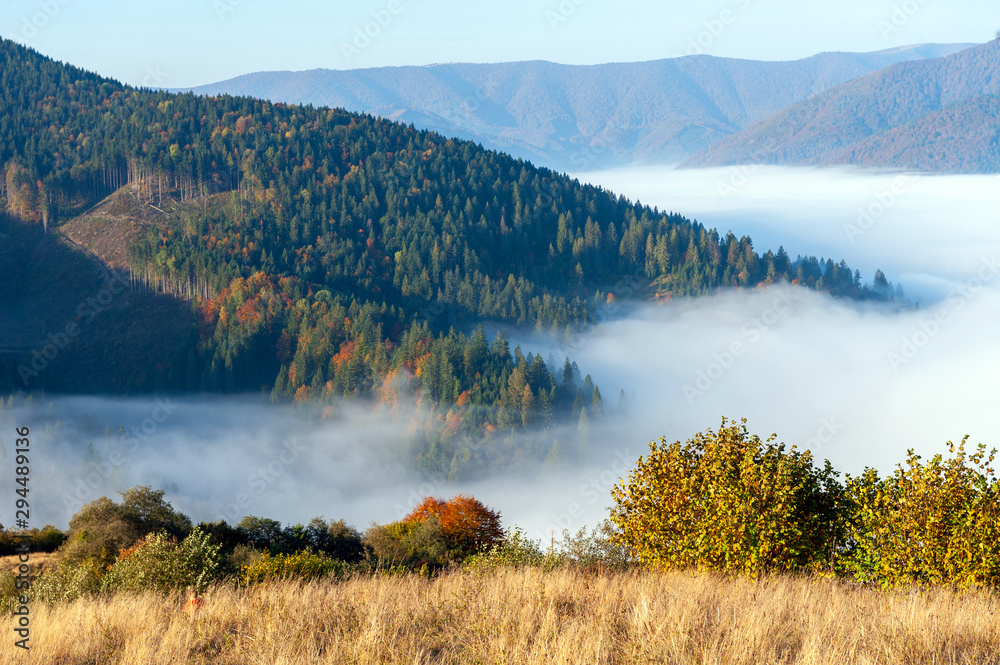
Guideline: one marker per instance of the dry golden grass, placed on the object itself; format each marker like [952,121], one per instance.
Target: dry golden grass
[526,616]
[39,562]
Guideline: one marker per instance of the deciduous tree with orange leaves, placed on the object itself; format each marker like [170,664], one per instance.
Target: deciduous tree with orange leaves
[467,525]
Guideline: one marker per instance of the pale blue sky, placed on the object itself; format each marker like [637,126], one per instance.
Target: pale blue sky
[176,43]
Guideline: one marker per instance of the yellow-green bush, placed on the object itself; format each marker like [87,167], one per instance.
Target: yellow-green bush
[303,565]
[729,501]
[158,562]
[933,522]
[68,581]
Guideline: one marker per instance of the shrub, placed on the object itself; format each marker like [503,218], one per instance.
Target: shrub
[729,501]
[102,528]
[304,565]
[243,555]
[98,531]
[411,544]
[335,538]
[466,524]
[515,550]
[159,563]
[68,581]
[597,550]
[589,552]
[934,522]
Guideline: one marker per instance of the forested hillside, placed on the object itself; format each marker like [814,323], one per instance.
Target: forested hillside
[318,253]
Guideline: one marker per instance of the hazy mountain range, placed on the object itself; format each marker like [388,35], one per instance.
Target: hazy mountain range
[933,115]
[580,117]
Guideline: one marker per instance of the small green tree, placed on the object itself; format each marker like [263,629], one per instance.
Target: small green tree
[729,501]
[102,528]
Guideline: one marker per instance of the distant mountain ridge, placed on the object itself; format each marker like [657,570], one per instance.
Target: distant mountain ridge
[938,115]
[578,117]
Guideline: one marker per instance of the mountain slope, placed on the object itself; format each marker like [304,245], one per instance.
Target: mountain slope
[578,117]
[937,115]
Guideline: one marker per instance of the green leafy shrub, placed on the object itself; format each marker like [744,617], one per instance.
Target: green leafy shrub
[68,581]
[597,550]
[158,562]
[408,543]
[515,550]
[731,502]
[936,522]
[304,565]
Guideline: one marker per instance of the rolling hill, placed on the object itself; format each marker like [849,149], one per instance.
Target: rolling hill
[936,115]
[578,117]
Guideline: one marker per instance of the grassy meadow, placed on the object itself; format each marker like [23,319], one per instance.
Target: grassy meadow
[525,615]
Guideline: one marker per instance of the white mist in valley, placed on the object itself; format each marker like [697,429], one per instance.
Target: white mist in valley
[857,383]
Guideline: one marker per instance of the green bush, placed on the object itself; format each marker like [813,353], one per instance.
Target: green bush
[408,543]
[731,502]
[304,565]
[936,522]
[516,550]
[68,581]
[159,563]
[591,552]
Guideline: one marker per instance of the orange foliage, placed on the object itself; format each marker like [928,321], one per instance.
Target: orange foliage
[466,523]
[452,423]
[345,354]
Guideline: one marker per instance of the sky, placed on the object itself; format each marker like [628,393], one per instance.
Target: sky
[192,42]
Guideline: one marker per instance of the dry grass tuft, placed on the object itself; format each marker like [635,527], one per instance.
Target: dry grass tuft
[526,616]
